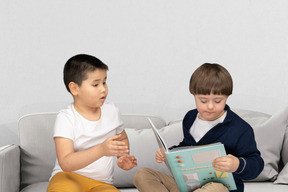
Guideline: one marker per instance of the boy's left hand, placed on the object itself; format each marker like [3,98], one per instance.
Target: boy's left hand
[126,162]
[226,164]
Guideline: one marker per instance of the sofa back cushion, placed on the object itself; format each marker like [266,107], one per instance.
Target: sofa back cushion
[37,145]
[270,133]
[141,121]
[143,145]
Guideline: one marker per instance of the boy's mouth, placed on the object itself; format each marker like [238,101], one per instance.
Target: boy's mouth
[209,112]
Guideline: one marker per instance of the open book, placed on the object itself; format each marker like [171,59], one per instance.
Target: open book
[192,167]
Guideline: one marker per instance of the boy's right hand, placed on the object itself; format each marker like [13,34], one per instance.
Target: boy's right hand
[159,156]
[112,147]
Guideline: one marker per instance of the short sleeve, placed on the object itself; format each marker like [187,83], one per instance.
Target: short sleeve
[64,126]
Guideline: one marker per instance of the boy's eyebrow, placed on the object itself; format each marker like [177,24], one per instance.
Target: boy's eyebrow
[96,80]
[203,97]
[220,97]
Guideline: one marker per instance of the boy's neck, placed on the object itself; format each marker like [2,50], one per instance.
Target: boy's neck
[91,114]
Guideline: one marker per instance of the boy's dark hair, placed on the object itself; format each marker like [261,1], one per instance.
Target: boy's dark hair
[77,67]
[211,78]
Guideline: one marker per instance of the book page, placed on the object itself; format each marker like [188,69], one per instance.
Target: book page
[163,147]
[160,141]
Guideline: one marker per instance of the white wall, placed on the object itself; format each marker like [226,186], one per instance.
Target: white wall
[152,47]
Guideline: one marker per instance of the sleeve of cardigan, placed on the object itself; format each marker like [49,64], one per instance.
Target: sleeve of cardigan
[251,162]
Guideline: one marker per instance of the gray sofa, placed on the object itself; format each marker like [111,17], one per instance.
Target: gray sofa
[27,167]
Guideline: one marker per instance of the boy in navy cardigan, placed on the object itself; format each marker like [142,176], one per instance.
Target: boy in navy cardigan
[211,122]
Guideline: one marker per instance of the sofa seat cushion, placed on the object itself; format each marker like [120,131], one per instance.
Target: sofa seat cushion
[283,176]
[264,187]
[40,187]
[128,190]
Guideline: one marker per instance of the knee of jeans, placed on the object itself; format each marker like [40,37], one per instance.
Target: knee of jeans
[213,187]
[139,175]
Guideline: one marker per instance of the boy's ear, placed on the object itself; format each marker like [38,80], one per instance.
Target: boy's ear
[74,88]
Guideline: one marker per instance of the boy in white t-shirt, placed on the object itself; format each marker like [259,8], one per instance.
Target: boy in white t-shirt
[89,132]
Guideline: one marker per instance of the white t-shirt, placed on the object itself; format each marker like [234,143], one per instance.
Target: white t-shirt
[199,128]
[85,134]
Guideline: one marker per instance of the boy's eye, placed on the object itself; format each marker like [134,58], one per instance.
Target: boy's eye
[95,85]
[203,101]
[218,101]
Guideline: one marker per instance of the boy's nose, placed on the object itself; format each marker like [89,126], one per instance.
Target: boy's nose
[210,105]
[103,88]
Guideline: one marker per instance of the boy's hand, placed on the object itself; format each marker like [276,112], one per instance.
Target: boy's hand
[159,156]
[226,164]
[112,147]
[126,162]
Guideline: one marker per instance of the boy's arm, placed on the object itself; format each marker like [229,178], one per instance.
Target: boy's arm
[126,161]
[124,138]
[250,166]
[69,160]
[250,163]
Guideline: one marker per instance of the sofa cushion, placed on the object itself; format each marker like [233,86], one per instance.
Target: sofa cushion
[269,135]
[143,146]
[37,147]
[283,175]
[141,121]
[264,187]
[39,187]
[252,117]
[284,153]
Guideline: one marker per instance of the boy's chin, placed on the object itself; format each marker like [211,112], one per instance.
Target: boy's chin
[101,103]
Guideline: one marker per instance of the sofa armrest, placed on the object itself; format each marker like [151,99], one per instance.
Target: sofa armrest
[9,168]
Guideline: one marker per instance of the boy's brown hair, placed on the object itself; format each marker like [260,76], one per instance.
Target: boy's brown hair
[211,78]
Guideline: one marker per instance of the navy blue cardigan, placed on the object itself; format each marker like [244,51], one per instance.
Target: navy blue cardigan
[238,139]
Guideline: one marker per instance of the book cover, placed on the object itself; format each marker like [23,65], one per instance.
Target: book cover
[192,167]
